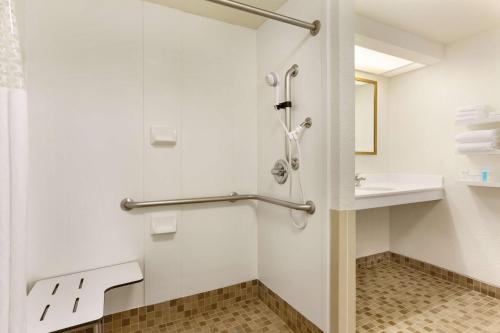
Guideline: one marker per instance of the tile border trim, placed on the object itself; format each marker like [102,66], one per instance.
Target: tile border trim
[436,271]
[297,322]
[373,260]
[166,313]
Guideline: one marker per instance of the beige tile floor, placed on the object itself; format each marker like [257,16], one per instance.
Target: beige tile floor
[394,298]
[241,317]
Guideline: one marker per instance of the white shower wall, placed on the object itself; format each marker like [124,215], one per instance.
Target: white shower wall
[84,81]
[293,262]
[97,82]
[100,74]
[201,80]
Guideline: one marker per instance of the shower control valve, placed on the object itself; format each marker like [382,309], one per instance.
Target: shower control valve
[280,171]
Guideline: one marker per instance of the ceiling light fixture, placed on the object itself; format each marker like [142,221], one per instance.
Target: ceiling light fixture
[378,63]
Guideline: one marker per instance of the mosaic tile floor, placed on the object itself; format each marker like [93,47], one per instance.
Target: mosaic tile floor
[392,298]
[245,316]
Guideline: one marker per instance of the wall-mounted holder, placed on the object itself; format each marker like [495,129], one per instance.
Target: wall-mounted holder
[162,136]
[295,135]
[162,224]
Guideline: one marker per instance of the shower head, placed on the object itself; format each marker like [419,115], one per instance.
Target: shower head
[272,79]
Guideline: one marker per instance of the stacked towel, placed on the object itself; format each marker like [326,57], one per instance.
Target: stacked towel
[477,147]
[478,141]
[492,135]
[475,112]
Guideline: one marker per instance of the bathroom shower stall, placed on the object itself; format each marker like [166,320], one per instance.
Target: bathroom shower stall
[166,103]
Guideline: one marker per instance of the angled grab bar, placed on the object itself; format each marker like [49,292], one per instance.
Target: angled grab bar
[129,204]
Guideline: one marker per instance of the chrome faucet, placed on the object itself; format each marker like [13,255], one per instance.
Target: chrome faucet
[358,179]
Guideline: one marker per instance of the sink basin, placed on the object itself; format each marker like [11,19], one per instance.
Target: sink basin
[375,188]
[391,189]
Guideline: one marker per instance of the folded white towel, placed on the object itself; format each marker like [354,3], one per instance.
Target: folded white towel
[469,114]
[475,108]
[474,112]
[492,135]
[466,120]
[476,116]
[476,147]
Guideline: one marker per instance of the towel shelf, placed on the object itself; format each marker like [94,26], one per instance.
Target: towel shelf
[308,207]
[479,184]
[481,153]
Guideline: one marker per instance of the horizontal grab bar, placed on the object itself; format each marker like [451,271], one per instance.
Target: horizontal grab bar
[313,27]
[129,204]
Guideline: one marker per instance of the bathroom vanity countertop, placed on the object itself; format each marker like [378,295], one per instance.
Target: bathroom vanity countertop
[382,190]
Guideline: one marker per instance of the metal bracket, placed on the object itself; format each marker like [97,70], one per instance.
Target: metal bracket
[233,194]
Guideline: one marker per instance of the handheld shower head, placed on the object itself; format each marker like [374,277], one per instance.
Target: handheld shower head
[272,79]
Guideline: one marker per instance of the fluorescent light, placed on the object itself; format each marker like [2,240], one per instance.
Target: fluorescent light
[374,62]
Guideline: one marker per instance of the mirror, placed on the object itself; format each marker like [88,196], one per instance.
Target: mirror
[365,113]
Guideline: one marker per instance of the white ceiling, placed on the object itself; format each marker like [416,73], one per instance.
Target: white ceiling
[222,13]
[443,21]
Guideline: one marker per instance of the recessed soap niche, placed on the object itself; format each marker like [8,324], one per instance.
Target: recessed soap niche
[162,136]
[163,223]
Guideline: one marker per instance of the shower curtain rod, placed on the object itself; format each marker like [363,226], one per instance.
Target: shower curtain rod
[129,204]
[313,27]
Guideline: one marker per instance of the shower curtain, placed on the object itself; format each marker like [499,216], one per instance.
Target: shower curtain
[13,175]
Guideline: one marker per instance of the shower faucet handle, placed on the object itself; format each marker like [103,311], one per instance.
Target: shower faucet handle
[280,171]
